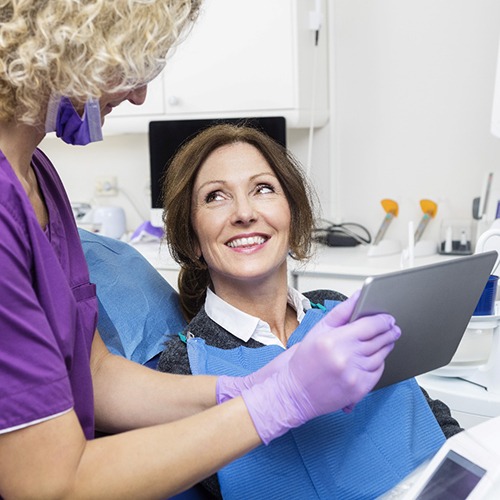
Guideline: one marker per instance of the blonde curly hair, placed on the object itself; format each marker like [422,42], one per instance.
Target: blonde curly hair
[82,48]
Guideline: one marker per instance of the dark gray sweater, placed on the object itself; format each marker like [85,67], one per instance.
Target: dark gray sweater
[174,359]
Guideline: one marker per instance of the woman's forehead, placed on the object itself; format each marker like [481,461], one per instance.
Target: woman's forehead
[237,160]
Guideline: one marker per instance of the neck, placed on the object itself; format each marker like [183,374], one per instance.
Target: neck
[18,143]
[266,300]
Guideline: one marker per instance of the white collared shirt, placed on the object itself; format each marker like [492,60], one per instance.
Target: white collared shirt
[246,327]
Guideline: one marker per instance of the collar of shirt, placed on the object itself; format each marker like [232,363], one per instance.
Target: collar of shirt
[245,326]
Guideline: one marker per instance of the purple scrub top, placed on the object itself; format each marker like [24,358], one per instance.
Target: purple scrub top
[48,307]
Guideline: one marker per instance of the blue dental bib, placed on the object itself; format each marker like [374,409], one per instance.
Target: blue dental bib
[359,455]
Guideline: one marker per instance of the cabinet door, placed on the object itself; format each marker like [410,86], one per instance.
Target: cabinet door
[239,57]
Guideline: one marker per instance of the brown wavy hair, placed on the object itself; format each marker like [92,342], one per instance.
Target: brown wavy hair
[181,172]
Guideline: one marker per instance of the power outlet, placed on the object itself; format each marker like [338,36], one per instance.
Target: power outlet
[106,185]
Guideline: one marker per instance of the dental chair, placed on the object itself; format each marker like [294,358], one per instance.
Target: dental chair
[138,309]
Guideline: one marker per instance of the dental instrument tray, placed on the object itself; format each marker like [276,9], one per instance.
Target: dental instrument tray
[432,305]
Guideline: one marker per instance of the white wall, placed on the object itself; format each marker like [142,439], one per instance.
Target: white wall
[411,94]
[125,157]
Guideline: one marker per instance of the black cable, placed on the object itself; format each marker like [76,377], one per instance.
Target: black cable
[345,234]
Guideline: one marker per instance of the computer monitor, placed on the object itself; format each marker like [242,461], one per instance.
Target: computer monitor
[165,138]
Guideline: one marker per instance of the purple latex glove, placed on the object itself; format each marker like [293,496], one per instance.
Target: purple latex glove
[230,387]
[334,367]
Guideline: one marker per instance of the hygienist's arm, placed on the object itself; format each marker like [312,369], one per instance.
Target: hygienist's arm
[128,395]
[325,373]
[53,460]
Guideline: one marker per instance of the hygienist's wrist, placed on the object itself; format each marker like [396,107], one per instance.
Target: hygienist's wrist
[228,388]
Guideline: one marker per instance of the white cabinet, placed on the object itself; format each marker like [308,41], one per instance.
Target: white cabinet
[242,58]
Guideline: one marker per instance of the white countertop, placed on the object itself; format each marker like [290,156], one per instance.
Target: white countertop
[344,261]
[354,261]
[461,395]
[157,254]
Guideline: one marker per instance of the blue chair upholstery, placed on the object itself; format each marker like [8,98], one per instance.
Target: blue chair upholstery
[138,308]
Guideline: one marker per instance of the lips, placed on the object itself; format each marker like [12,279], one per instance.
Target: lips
[246,242]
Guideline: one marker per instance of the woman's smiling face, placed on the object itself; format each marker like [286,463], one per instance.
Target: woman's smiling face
[240,215]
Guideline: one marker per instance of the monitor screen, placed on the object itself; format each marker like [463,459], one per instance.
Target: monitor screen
[454,479]
[165,138]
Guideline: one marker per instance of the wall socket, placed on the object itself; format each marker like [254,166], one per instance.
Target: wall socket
[106,185]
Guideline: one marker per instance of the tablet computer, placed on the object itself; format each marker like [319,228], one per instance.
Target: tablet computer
[432,305]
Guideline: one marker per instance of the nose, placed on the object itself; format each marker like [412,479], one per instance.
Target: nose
[244,211]
[138,95]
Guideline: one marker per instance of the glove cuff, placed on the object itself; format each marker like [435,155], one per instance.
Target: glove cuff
[272,409]
[228,388]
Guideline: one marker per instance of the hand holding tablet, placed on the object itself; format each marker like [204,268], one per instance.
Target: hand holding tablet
[432,305]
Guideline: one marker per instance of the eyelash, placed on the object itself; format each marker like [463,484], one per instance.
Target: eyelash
[267,186]
[213,194]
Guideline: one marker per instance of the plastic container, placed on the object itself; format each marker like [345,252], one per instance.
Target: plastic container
[486,304]
[455,237]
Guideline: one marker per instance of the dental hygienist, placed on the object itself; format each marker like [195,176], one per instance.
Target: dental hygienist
[63,65]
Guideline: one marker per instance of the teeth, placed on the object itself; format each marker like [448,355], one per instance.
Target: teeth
[246,242]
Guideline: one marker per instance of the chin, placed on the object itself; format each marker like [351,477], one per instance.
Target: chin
[106,110]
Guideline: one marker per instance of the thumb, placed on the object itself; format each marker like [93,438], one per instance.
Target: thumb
[341,314]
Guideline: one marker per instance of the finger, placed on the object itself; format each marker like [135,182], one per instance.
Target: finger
[348,409]
[369,327]
[366,383]
[373,363]
[373,380]
[341,314]
[370,347]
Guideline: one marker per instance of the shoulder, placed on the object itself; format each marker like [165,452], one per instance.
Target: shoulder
[13,199]
[18,223]
[442,413]
[174,357]
[43,164]
[204,327]
[215,335]
[322,295]
[53,189]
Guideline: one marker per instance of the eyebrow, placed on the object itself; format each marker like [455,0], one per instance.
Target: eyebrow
[216,181]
